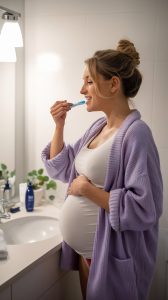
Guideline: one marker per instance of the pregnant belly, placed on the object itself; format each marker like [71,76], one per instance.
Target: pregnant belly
[78,223]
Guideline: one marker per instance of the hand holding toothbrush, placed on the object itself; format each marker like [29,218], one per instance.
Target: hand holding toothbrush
[60,109]
[59,112]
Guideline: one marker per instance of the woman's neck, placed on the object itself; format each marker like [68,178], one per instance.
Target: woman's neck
[116,114]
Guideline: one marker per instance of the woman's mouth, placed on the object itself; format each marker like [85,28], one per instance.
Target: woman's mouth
[88,99]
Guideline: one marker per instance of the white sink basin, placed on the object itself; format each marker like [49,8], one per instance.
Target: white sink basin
[29,229]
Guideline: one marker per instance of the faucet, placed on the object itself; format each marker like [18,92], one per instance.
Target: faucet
[3,213]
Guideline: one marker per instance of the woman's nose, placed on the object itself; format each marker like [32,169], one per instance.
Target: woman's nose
[83,90]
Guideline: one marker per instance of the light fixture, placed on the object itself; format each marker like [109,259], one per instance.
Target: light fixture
[11,33]
[7,53]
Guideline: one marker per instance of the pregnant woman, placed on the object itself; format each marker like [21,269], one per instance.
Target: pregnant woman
[109,220]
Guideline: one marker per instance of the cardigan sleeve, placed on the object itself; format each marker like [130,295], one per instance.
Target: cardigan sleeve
[59,167]
[137,203]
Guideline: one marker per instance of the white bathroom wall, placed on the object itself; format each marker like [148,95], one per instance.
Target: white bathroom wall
[60,35]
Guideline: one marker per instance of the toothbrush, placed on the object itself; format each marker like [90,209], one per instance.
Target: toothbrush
[81,102]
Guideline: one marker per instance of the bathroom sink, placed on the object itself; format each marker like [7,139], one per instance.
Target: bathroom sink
[29,229]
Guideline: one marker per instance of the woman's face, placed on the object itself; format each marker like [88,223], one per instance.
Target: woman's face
[94,100]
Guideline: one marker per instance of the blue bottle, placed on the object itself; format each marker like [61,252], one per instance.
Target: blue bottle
[29,198]
[7,191]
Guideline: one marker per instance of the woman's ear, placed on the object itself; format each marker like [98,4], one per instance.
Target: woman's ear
[115,84]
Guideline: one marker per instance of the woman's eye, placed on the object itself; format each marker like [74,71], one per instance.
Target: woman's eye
[90,82]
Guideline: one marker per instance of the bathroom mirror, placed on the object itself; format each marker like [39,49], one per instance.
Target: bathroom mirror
[7,117]
[7,112]
[12,105]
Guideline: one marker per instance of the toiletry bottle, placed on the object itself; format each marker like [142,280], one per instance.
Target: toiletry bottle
[29,198]
[7,191]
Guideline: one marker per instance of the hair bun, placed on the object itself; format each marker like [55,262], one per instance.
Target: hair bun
[128,48]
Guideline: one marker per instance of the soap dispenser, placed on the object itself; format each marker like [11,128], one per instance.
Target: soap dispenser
[7,191]
[29,197]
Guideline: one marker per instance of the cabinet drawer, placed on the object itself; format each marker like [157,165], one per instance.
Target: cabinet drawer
[37,280]
[5,294]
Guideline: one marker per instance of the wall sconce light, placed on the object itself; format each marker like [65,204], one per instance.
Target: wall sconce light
[10,36]
[11,32]
[7,53]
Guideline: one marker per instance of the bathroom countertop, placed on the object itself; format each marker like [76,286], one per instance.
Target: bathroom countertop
[21,256]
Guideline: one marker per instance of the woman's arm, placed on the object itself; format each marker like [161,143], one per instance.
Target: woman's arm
[137,203]
[58,111]
[57,142]
[61,165]
[81,186]
[97,195]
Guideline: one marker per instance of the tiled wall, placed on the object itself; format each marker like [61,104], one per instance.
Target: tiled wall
[61,34]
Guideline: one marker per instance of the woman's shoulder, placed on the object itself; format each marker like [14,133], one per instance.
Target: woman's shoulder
[133,127]
[140,129]
[140,136]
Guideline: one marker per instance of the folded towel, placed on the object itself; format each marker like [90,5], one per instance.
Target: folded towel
[3,246]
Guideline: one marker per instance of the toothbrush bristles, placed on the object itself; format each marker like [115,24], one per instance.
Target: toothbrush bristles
[81,102]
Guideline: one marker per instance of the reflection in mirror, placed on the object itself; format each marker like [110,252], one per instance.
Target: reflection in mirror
[7,118]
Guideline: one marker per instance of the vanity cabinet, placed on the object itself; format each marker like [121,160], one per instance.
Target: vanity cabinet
[67,288]
[33,283]
[45,281]
[5,294]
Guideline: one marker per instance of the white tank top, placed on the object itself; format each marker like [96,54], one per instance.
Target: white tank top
[79,214]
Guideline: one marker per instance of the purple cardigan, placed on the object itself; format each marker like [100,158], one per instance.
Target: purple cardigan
[125,244]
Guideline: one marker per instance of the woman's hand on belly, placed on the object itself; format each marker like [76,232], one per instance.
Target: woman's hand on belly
[76,187]
[81,186]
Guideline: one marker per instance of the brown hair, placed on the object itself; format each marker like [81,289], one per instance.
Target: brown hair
[121,62]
